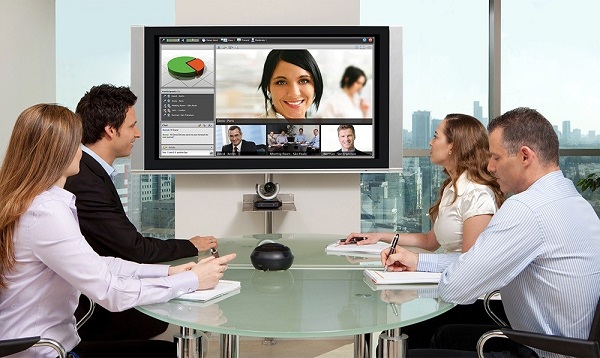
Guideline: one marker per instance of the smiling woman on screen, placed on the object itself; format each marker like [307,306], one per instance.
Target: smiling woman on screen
[291,83]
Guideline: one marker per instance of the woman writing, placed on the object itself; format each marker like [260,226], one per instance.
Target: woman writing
[468,197]
[45,262]
[291,83]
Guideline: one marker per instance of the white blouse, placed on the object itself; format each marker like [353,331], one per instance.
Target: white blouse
[473,199]
[340,105]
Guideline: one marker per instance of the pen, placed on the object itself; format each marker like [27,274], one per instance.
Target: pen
[214,252]
[392,249]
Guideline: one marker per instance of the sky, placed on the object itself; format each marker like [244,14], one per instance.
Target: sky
[550,56]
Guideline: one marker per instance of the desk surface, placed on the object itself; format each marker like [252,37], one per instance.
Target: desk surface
[319,296]
[300,303]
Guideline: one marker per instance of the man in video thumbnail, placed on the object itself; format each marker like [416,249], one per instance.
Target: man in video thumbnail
[346,136]
[238,146]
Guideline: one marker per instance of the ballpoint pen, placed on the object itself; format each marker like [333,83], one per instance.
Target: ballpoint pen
[392,249]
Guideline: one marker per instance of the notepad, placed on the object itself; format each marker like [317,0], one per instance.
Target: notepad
[400,286]
[379,277]
[357,250]
[222,288]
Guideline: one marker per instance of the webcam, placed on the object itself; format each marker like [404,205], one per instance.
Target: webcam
[267,191]
[268,196]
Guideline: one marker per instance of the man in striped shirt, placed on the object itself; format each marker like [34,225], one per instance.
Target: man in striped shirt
[541,249]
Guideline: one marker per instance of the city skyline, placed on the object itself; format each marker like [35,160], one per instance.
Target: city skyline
[425,124]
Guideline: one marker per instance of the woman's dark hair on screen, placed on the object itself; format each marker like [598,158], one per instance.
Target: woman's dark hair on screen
[351,75]
[300,58]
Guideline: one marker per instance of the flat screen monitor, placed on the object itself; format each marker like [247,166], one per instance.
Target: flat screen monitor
[267,98]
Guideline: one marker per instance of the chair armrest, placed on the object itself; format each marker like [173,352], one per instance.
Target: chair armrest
[47,342]
[562,345]
[488,309]
[496,333]
[88,314]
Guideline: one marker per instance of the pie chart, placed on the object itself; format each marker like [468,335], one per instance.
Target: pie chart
[185,66]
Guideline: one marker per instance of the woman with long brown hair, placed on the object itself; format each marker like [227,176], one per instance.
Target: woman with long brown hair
[468,197]
[45,262]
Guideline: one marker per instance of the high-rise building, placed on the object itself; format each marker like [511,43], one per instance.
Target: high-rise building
[421,129]
[566,132]
[478,113]
[477,110]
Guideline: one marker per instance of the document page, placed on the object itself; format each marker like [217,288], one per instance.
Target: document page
[222,288]
[351,249]
[380,277]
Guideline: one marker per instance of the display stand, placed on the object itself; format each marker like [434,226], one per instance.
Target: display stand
[287,204]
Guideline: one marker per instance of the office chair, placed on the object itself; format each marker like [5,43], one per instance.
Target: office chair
[561,345]
[12,346]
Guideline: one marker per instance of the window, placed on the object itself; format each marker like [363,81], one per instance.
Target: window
[101,55]
[554,66]
[445,71]
[547,65]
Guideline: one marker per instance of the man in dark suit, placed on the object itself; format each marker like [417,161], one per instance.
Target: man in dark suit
[346,137]
[238,146]
[109,131]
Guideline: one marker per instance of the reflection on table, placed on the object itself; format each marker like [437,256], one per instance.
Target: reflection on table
[298,304]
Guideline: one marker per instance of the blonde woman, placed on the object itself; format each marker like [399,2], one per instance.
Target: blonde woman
[45,262]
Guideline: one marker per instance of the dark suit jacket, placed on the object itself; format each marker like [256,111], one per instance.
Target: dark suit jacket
[356,152]
[105,226]
[248,148]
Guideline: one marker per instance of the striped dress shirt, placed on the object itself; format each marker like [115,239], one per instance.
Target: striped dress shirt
[542,250]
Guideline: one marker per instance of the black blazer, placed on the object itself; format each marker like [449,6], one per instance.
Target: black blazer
[248,148]
[105,226]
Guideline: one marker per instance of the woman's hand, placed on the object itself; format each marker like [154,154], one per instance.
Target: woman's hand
[173,270]
[210,270]
[361,239]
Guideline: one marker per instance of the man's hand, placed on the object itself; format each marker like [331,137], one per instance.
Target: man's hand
[204,243]
[210,270]
[401,260]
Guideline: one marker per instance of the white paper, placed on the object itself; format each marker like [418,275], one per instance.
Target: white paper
[380,277]
[350,249]
[222,288]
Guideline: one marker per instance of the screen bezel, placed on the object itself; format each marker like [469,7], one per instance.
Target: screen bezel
[151,91]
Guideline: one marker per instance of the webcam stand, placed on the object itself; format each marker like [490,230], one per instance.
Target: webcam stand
[258,203]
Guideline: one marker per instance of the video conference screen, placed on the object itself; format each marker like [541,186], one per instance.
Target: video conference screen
[291,97]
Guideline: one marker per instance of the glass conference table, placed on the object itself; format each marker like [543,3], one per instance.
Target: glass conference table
[319,296]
